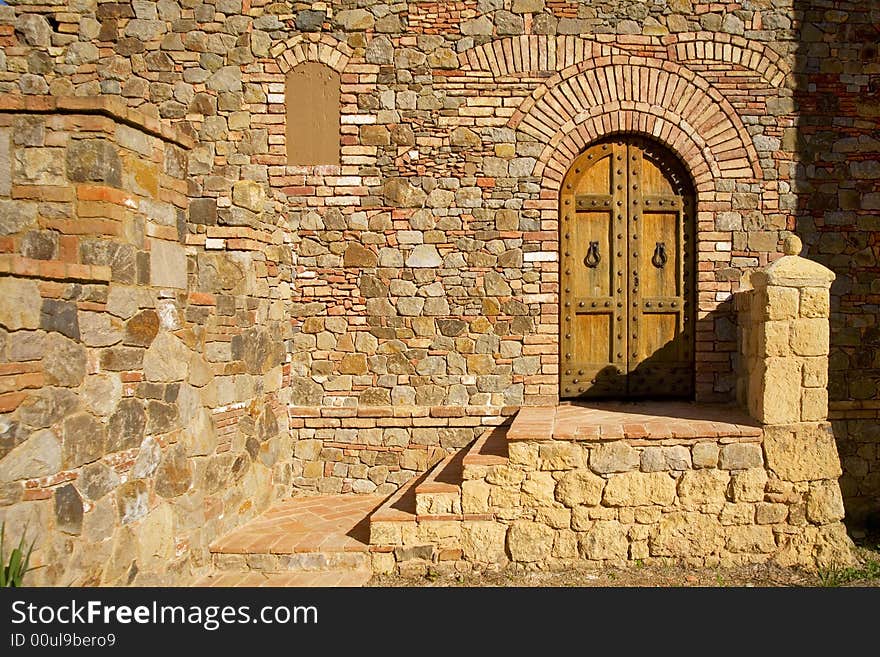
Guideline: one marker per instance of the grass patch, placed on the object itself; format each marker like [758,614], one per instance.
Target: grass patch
[840,576]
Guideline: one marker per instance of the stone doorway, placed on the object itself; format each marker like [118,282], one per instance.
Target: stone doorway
[627,243]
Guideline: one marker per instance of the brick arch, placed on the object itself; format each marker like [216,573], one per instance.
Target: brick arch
[557,158]
[530,53]
[621,93]
[693,46]
[319,48]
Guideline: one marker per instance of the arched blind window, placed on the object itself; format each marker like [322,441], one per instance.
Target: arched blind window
[312,99]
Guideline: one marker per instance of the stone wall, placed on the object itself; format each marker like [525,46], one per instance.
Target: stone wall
[142,400]
[838,182]
[425,266]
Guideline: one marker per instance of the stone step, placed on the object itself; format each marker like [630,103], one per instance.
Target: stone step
[327,533]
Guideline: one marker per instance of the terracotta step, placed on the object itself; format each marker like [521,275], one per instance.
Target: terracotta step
[436,495]
[440,492]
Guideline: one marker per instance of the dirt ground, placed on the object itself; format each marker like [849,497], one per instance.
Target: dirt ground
[866,574]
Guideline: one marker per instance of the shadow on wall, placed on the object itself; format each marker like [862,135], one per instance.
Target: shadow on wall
[837,101]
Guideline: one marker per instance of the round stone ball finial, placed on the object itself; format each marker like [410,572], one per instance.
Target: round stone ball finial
[792,245]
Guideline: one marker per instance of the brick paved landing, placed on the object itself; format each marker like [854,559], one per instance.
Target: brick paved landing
[327,523]
[304,541]
[632,420]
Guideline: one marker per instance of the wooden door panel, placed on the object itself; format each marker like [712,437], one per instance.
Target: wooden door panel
[592,358]
[625,227]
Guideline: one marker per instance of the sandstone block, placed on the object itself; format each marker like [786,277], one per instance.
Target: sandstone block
[741,456]
[561,456]
[616,457]
[21,304]
[705,455]
[605,540]
[685,534]
[748,485]
[703,487]
[579,487]
[754,539]
[483,542]
[639,488]
[38,456]
[824,503]
[530,541]
[802,452]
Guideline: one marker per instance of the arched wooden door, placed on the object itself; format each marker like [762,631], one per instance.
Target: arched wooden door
[627,273]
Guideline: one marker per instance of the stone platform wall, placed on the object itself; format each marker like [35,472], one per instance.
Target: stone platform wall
[704,502]
[142,375]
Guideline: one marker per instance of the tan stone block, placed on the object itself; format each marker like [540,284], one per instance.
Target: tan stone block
[809,337]
[774,338]
[814,302]
[353,364]
[483,541]
[313,469]
[383,563]
[740,456]
[605,540]
[703,487]
[565,545]
[705,455]
[814,372]
[769,513]
[580,487]
[614,457]
[814,404]
[647,515]
[554,517]
[741,513]
[748,485]
[441,534]
[523,453]
[530,541]
[780,394]
[580,518]
[538,489]
[824,502]
[504,497]
[782,302]
[559,455]
[685,534]
[751,539]
[505,150]
[626,515]
[802,452]
[475,496]
[504,475]
[639,550]
[639,488]
[385,533]
[155,537]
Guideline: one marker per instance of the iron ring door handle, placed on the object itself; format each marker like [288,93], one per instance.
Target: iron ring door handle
[659,258]
[593,257]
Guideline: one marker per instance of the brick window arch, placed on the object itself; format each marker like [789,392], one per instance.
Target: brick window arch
[311,94]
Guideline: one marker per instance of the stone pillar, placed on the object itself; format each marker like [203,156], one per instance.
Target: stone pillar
[784,344]
[784,340]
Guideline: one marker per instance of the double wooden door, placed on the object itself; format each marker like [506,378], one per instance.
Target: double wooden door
[626,273]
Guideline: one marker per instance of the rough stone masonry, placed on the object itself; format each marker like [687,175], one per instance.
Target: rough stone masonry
[192,328]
